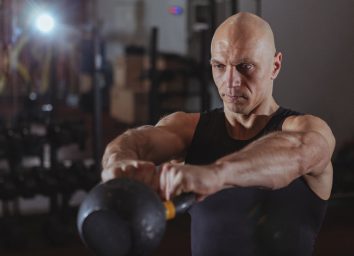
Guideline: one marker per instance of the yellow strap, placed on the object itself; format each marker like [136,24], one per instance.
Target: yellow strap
[170,210]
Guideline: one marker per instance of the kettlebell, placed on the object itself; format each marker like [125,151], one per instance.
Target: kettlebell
[124,217]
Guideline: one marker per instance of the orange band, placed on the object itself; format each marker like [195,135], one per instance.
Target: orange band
[170,210]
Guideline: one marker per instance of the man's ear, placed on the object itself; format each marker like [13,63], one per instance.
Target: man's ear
[276,65]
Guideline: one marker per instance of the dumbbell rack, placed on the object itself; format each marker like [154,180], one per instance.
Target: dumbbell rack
[45,177]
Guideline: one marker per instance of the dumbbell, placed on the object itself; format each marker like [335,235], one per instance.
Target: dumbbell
[48,183]
[14,148]
[124,217]
[68,179]
[64,133]
[27,182]
[87,175]
[8,187]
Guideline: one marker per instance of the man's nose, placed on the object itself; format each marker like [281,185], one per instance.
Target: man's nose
[232,77]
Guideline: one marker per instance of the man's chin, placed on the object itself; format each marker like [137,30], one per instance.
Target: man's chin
[237,109]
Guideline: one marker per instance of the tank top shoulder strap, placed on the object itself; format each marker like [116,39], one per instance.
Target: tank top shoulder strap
[211,119]
[278,118]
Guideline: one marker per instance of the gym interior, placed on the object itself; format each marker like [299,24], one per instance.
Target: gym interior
[76,74]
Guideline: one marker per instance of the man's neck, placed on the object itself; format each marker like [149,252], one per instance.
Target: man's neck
[245,126]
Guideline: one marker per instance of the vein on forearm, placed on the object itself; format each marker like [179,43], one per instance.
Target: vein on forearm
[276,160]
[146,143]
[128,145]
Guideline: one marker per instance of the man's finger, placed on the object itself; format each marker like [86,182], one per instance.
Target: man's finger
[164,180]
[177,187]
[106,175]
[129,171]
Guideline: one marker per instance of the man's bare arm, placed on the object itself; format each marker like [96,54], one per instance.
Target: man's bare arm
[275,160]
[149,145]
[303,148]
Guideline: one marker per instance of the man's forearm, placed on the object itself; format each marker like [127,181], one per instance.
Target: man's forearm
[147,143]
[275,160]
[126,146]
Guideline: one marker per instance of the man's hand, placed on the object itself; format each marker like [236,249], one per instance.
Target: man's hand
[142,171]
[202,180]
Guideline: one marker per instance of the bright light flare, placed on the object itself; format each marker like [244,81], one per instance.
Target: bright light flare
[45,23]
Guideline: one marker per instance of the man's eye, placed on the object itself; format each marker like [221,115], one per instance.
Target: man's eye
[242,67]
[219,66]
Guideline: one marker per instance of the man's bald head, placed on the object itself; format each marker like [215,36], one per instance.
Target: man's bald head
[246,28]
[245,64]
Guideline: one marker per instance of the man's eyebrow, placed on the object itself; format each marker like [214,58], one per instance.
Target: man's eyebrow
[213,60]
[242,60]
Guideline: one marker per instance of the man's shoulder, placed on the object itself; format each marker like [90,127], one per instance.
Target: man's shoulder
[181,124]
[190,117]
[310,123]
[179,119]
[303,120]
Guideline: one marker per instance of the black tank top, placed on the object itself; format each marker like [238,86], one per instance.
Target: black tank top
[250,221]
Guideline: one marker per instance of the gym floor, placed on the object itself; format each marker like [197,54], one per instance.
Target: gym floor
[40,234]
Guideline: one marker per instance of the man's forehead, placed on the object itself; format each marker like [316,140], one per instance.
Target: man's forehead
[224,49]
[221,45]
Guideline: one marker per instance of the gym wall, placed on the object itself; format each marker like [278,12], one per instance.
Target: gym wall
[317,42]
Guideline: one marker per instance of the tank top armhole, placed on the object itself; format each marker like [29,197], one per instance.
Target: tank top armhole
[314,195]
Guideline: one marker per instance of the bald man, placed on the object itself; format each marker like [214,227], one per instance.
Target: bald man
[262,173]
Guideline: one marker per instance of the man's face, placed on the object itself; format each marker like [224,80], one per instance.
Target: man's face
[243,71]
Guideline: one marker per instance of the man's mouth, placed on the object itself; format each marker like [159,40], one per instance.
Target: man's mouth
[236,97]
